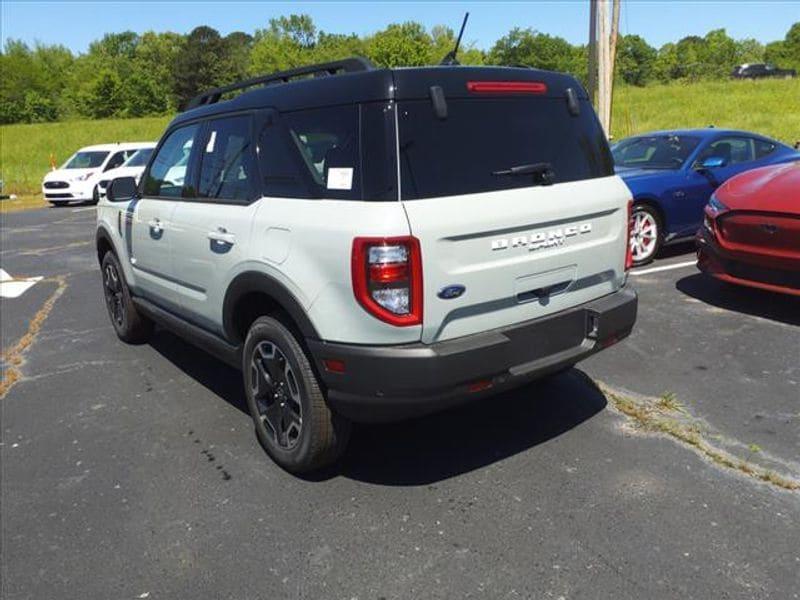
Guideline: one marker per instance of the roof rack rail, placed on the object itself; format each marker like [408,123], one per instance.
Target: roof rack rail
[347,65]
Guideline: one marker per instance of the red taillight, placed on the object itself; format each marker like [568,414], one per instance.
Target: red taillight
[628,251]
[507,87]
[387,278]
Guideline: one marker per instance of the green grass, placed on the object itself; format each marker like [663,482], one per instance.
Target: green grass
[25,149]
[768,107]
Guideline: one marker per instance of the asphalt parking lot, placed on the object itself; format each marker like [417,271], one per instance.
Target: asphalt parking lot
[658,469]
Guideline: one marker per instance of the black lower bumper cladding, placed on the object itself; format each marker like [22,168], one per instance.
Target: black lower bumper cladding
[385,383]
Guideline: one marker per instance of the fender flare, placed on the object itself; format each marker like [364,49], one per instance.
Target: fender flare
[103,235]
[255,281]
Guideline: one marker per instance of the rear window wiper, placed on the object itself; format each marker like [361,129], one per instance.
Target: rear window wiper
[542,172]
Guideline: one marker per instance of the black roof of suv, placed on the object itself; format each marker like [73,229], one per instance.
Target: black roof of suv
[366,84]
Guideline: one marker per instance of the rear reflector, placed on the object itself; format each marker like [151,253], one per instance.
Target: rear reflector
[333,365]
[479,386]
[507,87]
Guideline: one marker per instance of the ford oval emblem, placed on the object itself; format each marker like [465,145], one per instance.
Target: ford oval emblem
[451,291]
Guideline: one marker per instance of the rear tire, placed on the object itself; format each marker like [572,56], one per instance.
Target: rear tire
[130,325]
[292,419]
[647,234]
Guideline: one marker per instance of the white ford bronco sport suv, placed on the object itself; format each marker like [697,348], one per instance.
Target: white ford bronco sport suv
[373,244]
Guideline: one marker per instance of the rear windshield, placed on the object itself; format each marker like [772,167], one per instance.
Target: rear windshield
[461,153]
[86,160]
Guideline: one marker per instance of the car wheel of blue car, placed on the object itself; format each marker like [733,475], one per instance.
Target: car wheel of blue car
[645,234]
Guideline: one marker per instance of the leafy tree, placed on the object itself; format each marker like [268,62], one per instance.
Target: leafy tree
[273,52]
[153,62]
[200,65]
[531,48]
[444,40]
[37,108]
[116,45]
[102,98]
[785,53]
[400,45]
[142,95]
[749,51]
[128,74]
[719,55]
[635,62]
[300,29]
[32,81]
[333,46]
[239,47]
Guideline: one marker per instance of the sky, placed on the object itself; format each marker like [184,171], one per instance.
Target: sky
[76,24]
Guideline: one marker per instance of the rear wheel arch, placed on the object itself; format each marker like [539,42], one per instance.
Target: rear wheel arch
[251,295]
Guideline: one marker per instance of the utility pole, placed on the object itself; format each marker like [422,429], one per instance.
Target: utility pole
[602,54]
[592,75]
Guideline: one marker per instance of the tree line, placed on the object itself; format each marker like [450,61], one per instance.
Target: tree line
[131,75]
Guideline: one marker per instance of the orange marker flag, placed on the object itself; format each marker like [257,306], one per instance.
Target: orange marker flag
[52,162]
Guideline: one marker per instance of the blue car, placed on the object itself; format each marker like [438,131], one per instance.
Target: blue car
[673,173]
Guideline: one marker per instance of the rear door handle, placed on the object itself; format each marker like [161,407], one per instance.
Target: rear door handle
[222,236]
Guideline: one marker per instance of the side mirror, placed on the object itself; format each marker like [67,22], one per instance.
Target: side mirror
[122,189]
[713,162]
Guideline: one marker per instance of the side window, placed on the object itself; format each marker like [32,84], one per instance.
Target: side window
[328,142]
[280,165]
[227,168]
[116,161]
[166,176]
[734,150]
[763,148]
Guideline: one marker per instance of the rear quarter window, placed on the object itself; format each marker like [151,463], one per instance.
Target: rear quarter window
[458,154]
[343,152]
[764,148]
[327,140]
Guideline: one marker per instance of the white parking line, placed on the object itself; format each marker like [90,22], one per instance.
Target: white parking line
[665,268]
[10,287]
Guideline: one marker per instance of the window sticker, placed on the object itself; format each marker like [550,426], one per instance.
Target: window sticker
[340,178]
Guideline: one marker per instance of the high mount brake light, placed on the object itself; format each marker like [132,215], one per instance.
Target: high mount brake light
[387,278]
[507,87]
[628,250]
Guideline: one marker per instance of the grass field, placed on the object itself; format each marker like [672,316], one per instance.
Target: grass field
[768,107]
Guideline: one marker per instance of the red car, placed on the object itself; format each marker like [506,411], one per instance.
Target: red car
[751,231]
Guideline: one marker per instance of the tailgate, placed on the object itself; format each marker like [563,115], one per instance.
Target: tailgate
[519,254]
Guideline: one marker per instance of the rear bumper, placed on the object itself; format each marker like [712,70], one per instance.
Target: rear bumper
[748,270]
[385,383]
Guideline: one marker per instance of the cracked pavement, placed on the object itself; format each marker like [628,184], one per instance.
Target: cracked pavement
[133,471]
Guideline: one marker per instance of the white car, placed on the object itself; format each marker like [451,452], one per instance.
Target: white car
[77,179]
[133,167]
